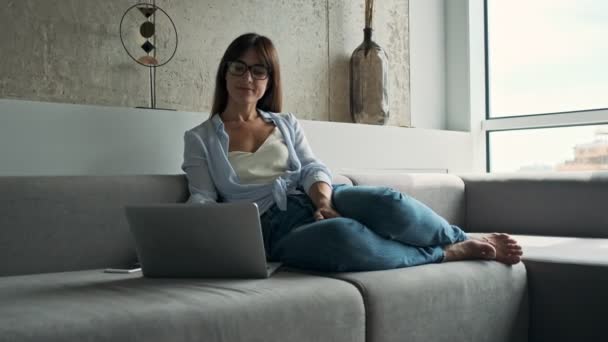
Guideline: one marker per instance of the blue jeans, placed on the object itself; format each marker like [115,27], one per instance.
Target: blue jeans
[380,228]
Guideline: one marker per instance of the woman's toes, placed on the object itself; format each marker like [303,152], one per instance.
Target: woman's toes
[486,251]
[508,251]
[512,260]
[501,236]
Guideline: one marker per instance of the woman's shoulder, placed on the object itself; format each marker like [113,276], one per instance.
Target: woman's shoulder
[202,128]
[201,135]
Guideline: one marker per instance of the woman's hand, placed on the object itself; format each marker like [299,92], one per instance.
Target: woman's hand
[320,194]
[325,212]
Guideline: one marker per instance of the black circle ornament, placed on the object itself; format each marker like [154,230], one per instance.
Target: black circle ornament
[148,29]
[146,18]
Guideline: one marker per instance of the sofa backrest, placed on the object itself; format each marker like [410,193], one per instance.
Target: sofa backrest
[68,223]
[563,204]
[442,192]
[65,223]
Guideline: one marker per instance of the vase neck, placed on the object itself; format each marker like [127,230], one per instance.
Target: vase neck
[367,34]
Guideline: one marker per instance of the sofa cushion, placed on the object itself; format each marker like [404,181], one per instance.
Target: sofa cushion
[67,223]
[64,223]
[97,306]
[457,301]
[341,179]
[444,193]
[558,204]
[567,280]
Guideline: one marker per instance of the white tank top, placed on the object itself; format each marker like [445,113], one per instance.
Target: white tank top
[263,165]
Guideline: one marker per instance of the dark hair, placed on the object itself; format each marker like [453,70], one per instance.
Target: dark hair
[272,99]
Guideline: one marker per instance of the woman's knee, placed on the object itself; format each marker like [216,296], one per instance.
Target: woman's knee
[340,228]
[333,239]
[324,232]
[396,202]
[365,196]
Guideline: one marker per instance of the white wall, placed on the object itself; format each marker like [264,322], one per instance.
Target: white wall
[38,138]
[457,48]
[447,66]
[465,86]
[447,69]
[428,64]
[352,146]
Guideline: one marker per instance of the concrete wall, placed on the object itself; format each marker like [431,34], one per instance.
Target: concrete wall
[38,138]
[70,51]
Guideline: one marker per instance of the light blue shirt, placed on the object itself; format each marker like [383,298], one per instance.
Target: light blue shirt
[212,179]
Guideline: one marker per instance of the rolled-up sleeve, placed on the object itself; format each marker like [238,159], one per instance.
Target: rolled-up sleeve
[312,169]
[201,187]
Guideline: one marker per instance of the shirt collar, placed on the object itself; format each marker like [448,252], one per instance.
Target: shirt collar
[216,120]
[265,115]
[219,124]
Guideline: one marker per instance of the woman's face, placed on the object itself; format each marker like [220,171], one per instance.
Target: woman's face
[247,88]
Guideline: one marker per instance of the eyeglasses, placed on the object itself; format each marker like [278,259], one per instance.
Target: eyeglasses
[258,71]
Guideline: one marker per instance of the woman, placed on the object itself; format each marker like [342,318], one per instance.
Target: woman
[248,151]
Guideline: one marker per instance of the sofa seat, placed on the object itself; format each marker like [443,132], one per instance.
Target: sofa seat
[456,301]
[97,306]
[568,284]
[460,301]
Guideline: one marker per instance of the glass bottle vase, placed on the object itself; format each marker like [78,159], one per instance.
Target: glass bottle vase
[369,82]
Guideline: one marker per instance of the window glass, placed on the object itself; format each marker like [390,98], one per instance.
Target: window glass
[547,56]
[577,148]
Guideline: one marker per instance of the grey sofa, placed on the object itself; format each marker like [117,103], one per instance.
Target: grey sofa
[58,233]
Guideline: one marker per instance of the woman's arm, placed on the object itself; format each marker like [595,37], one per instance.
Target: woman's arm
[201,187]
[320,194]
[312,169]
[315,176]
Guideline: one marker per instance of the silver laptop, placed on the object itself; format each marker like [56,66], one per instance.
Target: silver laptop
[222,240]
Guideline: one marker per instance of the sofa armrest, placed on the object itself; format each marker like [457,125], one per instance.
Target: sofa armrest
[564,204]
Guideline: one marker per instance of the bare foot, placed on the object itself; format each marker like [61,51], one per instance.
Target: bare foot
[495,246]
[470,249]
[508,251]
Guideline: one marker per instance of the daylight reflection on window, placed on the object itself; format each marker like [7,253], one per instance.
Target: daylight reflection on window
[578,148]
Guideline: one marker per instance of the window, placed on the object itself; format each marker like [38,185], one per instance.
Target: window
[575,148]
[547,85]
